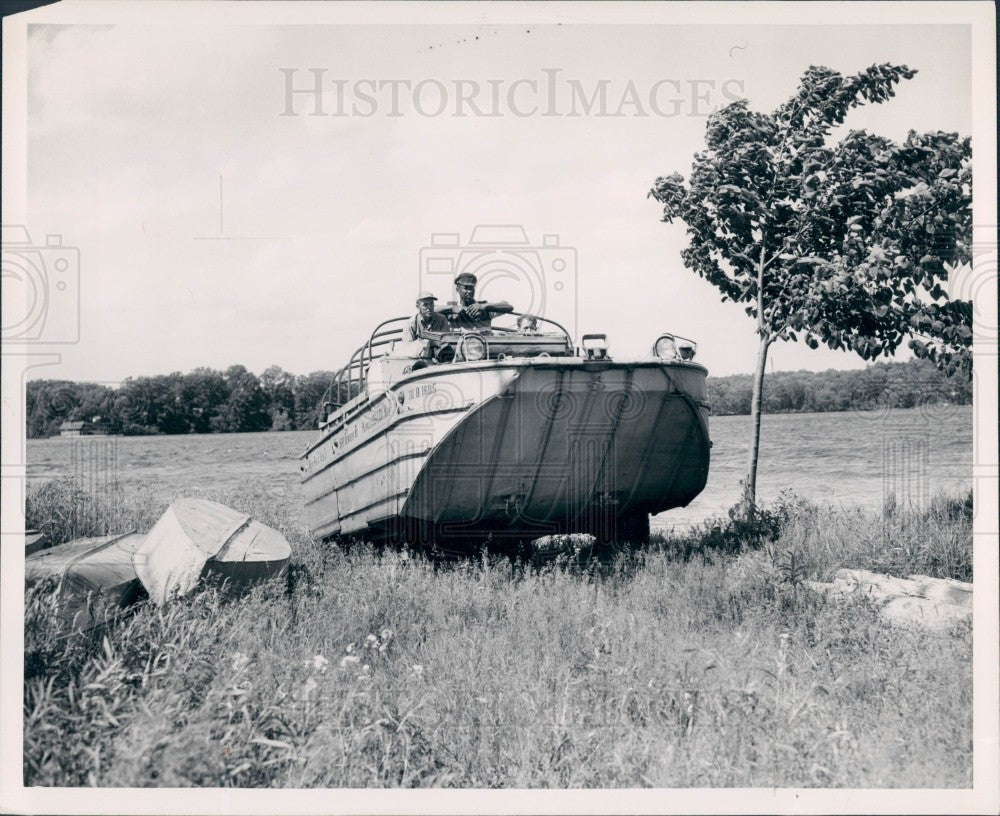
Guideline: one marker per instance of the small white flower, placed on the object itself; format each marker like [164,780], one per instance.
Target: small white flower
[240,661]
[366,668]
[308,689]
[371,642]
[386,635]
[320,663]
[416,669]
[350,648]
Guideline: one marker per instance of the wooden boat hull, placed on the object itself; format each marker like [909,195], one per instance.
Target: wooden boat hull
[520,448]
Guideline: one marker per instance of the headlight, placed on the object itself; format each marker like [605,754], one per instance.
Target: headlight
[665,347]
[473,347]
[672,347]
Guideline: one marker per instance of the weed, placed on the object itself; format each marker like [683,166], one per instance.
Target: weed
[694,662]
[63,511]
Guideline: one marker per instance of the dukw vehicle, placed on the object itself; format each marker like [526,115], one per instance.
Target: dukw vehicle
[504,435]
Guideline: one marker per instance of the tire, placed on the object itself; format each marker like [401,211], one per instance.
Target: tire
[632,529]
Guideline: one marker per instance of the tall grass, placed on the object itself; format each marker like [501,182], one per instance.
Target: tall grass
[695,662]
[64,510]
[935,540]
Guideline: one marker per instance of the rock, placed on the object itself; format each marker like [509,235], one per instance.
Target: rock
[573,545]
[934,603]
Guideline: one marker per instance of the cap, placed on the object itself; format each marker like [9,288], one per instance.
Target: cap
[466,277]
[425,296]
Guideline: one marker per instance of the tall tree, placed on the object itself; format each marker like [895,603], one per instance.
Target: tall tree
[204,393]
[246,408]
[309,390]
[847,244]
[48,404]
[279,388]
[149,405]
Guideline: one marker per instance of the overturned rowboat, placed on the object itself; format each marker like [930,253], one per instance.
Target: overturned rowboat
[195,539]
[34,540]
[95,575]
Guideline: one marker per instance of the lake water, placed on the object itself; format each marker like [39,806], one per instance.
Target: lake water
[847,458]
[851,458]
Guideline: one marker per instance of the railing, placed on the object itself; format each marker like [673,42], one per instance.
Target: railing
[355,372]
[350,380]
[388,337]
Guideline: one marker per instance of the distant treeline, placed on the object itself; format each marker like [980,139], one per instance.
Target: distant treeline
[237,400]
[883,385]
[204,401]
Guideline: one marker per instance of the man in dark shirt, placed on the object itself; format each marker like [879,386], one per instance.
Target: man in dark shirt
[470,313]
[426,319]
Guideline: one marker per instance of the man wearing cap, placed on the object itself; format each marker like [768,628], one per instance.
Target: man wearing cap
[426,319]
[470,313]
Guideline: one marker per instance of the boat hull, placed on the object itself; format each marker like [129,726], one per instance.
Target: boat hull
[193,540]
[523,449]
[357,476]
[198,537]
[96,576]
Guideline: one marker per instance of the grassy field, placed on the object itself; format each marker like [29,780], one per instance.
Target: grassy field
[699,661]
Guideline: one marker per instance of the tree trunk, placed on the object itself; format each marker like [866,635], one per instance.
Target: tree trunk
[750,489]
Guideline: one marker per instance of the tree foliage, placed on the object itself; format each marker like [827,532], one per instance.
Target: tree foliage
[847,244]
[203,401]
[876,388]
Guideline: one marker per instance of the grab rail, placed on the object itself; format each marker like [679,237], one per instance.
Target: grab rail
[355,372]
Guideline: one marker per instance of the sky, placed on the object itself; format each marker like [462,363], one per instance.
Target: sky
[214,230]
